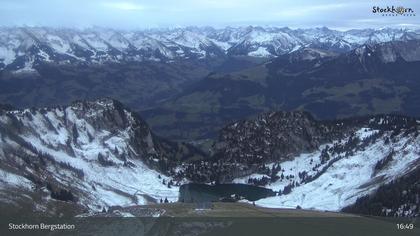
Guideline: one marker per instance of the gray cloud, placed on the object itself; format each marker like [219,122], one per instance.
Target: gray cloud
[169,13]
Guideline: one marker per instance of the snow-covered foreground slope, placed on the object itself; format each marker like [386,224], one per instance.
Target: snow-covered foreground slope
[96,150]
[98,154]
[340,172]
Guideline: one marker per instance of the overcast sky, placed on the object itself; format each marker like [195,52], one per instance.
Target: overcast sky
[128,14]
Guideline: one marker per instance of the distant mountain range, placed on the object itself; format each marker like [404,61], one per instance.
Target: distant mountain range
[22,48]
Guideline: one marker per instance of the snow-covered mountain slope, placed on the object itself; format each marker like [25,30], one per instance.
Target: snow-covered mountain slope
[96,154]
[345,177]
[389,52]
[22,48]
[371,153]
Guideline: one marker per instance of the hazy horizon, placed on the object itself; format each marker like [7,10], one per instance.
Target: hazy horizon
[144,14]
[163,28]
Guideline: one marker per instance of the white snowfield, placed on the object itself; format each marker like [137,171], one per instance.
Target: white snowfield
[9,179]
[101,186]
[346,179]
[260,52]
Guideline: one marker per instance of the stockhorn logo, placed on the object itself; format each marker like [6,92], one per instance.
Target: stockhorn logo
[393,11]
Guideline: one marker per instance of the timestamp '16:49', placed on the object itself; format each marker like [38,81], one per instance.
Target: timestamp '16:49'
[404,226]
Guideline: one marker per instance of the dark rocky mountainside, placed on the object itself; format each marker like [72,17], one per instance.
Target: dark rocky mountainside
[273,136]
[245,146]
